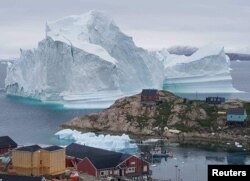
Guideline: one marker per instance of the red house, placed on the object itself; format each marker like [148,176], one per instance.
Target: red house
[103,163]
[6,144]
[150,96]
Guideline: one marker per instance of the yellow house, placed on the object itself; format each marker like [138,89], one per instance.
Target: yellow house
[53,160]
[35,161]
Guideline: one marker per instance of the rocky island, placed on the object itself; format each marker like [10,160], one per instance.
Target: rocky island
[173,118]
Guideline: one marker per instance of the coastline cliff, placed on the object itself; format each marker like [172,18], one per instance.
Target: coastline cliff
[174,118]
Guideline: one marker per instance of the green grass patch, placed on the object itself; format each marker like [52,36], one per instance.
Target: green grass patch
[141,120]
[205,123]
[163,112]
[247,107]
[182,127]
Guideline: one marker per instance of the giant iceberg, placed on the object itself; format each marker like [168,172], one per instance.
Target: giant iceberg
[85,58]
[86,61]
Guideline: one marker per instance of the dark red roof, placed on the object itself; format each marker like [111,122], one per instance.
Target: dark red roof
[6,142]
[236,111]
[149,92]
[99,157]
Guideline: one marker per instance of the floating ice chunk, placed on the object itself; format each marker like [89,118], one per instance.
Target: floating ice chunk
[238,145]
[108,142]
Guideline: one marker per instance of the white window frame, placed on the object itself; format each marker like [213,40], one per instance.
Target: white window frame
[130,170]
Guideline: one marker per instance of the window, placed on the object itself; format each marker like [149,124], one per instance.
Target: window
[130,170]
[104,172]
[132,163]
[145,168]
[116,172]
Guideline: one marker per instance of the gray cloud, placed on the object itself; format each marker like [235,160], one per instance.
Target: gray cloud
[152,23]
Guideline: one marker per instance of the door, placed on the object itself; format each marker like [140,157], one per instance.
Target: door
[121,172]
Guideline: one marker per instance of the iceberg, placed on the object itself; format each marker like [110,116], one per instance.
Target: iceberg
[205,71]
[80,56]
[109,142]
[85,61]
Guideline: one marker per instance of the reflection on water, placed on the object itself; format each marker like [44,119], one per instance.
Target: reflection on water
[239,158]
[189,163]
[215,158]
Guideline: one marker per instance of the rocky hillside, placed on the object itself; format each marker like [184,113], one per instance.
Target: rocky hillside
[175,117]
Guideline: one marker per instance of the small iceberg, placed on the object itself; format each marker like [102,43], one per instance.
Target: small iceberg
[238,145]
[108,142]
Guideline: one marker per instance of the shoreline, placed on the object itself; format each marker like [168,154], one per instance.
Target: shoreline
[211,142]
[173,119]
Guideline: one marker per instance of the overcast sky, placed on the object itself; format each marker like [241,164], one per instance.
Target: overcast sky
[153,24]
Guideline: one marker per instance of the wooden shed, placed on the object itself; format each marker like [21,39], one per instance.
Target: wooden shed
[6,144]
[35,161]
[53,160]
[26,160]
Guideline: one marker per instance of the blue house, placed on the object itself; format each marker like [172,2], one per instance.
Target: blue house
[236,115]
[215,100]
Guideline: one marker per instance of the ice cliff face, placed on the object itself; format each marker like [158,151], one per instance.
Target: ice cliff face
[206,71]
[83,57]
[88,60]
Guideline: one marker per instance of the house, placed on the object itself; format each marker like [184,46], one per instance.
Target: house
[6,144]
[35,161]
[215,100]
[236,115]
[53,160]
[103,163]
[4,177]
[150,96]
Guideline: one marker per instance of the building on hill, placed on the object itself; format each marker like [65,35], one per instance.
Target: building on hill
[36,161]
[4,177]
[237,115]
[150,97]
[215,100]
[6,144]
[103,163]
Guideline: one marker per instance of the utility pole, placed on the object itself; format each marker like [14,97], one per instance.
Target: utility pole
[176,166]
[179,174]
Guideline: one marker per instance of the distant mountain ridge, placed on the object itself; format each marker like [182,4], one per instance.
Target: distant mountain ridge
[189,50]
[238,56]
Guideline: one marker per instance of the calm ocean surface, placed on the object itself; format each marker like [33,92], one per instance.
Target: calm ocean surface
[28,122]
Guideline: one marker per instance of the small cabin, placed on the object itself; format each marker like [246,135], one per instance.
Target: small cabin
[150,96]
[53,160]
[6,144]
[36,161]
[236,115]
[215,100]
[26,160]
[5,177]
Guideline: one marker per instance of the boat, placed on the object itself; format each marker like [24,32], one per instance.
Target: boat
[158,153]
